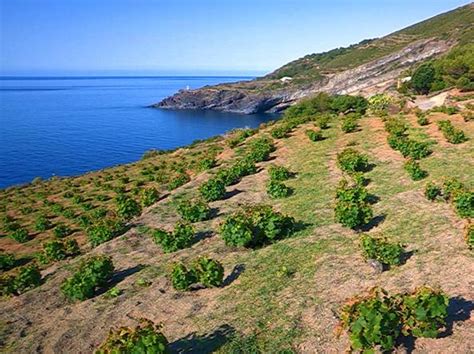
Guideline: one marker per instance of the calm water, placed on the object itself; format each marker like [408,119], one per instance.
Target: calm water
[68,126]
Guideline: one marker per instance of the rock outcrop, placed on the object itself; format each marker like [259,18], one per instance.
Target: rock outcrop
[375,76]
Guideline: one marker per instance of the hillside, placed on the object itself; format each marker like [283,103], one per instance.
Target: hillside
[365,68]
[283,296]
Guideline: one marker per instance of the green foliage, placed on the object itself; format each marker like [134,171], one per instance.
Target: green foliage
[347,103]
[278,173]
[409,148]
[194,210]
[322,120]
[424,312]
[7,261]
[145,338]
[414,170]
[352,208]
[464,204]
[432,191]
[57,250]
[276,189]
[280,131]
[42,223]
[378,319]
[103,231]
[395,126]
[452,187]
[207,163]
[61,230]
[209,272]
[182,277]
[149,196]
[93,272]
[212,190]
[239,136]
[181,237]
[452,134]
[349,123]
[422,119]
[350,161]
[26,278]
[234,173]
[381,250]
[379,103]
[314,135]
[469,236]
[255,226]
[19,235]
[178,181]
[259,149]
[423,78]
[126,207]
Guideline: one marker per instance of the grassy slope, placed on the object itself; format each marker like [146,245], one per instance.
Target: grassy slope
[456,24]
[289,291]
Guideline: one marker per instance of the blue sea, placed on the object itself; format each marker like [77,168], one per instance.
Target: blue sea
[70,125]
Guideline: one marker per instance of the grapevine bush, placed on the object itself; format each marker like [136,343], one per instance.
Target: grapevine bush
[278,173]
[57,250]
[181,237]
[212,190]
[182,277]
[104,230]
[7,261]
[20,235]
[352,207]
[26,278]
[452,134]
[205,271]
[127,208]
[314,135]
[276,189]
[350,161]
[61,230]
[255,226]
[387,253]
[42,223]
[349,123]
[433,191]
[194,210]
[149,196]
[145,338]
[92,273]
[414,170]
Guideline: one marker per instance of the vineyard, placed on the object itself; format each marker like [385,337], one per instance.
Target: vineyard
[342,225]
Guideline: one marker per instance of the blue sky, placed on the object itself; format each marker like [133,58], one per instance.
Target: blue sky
[169,37]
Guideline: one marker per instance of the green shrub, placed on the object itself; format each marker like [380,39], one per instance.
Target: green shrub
[61,230]
[422,120]
[395,126]
[149,196]
[209,272]
[239,137]
[378,319]
[207,163]
[278,173]
[409,148]
[432,191]
[92,273]
[276,189]
[234,173]
[349,123]
[126,207]
[350,192]
[414,170]
[314,135]
[57,250]
[20,235]
[322,121]
[452,187]
[464,204]
[353,214]
[350,161]
[212,190]
[103,231]
[7,261]
[424,312]
[145,338]
[348,103]
[280,131]
[255,226]
[182,277]
[42,223]
[194,211]
[423,78]
[181,237]
[259,149]
[26,278]
[452,134]
[381,250]
[178,181]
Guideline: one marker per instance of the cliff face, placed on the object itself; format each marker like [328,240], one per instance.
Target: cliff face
[366,79]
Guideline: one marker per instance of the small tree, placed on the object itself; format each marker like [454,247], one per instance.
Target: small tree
[422,78]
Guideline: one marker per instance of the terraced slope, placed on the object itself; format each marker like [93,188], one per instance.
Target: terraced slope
[285,296]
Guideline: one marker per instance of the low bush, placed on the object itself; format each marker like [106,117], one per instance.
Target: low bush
[212,190]
[314,135]
[381,250]
[377,319]
[350,161]
[464,204]
[422,119]
[239,137]
[414,170]
[181,237]
[234,173]
[205,271]
[145,338]
[57,250]
[7,261]
[409,148]
[178,181]
[352,214]
[61,230]
[322,120]
[349,123]
[126,207]
[451,133]
[395,126]
[182,277]
[207,163]
[433,191]
[19,235]
[280,131]
[194,210]
[42,223]
[259,149]
[277,189]
[104,230]
[92,273]
[149,196]
[255,226]
[452,187]
[469,236]
[278,173]
[26,278]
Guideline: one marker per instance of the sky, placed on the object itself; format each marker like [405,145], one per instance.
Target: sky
[189,37]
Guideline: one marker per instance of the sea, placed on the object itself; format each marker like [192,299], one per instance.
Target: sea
[66,126]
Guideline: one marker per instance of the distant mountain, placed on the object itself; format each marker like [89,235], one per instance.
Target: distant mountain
[371,66]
